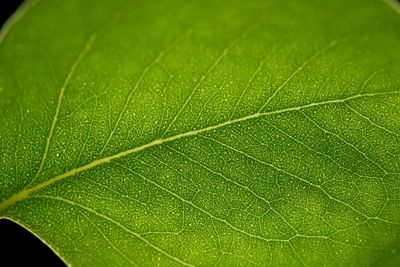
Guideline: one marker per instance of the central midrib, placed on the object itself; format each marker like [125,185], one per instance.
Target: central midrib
[26,192]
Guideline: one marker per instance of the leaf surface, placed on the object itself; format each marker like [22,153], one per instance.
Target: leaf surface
[204,132]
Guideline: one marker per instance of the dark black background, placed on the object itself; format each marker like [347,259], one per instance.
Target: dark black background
[7,7]
[18,247]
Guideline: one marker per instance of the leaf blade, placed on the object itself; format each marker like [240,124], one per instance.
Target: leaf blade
[291,171]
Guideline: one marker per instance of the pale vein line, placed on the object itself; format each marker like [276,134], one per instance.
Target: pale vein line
[209,70]
[244,187]
[129,98]
[26,192]
[147,242]
[321,188]
[75,65]
[317,152]
[108,240]
[203,77]
[208,101]
[192,204]
[287,173]
[370,77]
[137,83]
[297,255]
[364,154]
[370,121]
[300,68]
[252,77]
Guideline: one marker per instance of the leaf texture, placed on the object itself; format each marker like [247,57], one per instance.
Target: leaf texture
[232,133]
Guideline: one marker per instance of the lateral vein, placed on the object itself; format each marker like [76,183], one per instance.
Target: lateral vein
[71,73]
[27,191]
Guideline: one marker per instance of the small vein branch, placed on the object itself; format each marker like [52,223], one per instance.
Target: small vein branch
[71,73]
[23,194]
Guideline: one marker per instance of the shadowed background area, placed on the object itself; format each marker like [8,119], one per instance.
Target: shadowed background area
[15,240]
[7,8]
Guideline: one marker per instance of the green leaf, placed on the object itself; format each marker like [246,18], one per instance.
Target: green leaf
[204,132]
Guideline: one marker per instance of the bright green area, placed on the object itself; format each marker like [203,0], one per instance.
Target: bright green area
[204,132]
